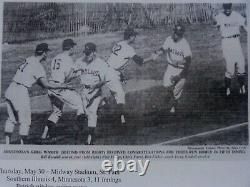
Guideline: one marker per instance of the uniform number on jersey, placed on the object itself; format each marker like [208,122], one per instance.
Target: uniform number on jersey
[22,66]
[116,48]
[56,64]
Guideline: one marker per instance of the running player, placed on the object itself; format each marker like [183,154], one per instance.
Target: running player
[17,96]
[179,56]
[229,23]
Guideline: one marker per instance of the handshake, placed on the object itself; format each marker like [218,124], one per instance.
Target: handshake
[152,57]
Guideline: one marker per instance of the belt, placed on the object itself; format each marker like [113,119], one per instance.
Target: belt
[21,84]
[233,36]
[176,66]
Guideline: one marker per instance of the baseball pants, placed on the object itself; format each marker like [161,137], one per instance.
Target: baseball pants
[232,52]
[92,102]
[59,98]
[178,87]
[18,108]
[115,86]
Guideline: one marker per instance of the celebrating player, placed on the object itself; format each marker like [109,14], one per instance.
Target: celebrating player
[93,76]
[122,53]
[17,96]
[179,56]
[229,23]
[62,67]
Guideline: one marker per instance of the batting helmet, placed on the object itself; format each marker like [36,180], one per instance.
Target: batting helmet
[129,32]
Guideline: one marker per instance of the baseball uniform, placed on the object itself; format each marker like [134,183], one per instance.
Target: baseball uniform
[232,51]
[176,54]
[17,96]
[122,52]
[91,74]
[61,70]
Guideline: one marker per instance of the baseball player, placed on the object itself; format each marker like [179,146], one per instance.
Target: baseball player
[122,54]
[62,67]
[179,56]
[17,96]
[229,23]
[93,72]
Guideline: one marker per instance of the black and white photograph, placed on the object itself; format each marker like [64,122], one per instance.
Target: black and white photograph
[124,74]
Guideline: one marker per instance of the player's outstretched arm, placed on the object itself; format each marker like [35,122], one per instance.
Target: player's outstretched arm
[154,55]
[47,85]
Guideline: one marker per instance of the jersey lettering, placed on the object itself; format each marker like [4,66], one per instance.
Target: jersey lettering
[116,49]
[57,64]
[22,66]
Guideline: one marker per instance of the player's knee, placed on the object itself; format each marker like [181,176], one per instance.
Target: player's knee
[24,129]
[120,98]
[24,117]
[167,83]
[92,120]
[228,75]
[55,116]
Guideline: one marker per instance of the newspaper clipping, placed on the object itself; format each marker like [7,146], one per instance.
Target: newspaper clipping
[109,81]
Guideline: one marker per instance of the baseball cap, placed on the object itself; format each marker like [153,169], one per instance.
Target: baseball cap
[43,47]
[227,5]
[68,43]
[129,32]
[89,48]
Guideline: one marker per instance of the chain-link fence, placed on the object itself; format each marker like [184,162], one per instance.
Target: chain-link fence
[35,21]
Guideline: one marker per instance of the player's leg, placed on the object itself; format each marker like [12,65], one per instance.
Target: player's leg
[171,71]
[25,122]
[73,100]
[177,92]
[240,66]
[24,114]
[230,63]
[50,127]
[92,121]
[116,88]
[10,122]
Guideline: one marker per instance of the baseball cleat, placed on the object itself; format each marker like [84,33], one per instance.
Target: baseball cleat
[45,132]
[89,140]
[123,121]
[172,110]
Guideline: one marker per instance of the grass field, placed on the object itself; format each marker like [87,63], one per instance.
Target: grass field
[202,108]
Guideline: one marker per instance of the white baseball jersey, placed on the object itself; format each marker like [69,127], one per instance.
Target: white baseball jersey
[93,72]
[177,51]
[29,72]
[230,25]
[61,67]
[121,54]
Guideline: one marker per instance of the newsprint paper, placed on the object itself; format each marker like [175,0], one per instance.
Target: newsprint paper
[151,86]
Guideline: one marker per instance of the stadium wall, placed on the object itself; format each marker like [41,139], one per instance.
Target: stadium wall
[36,21]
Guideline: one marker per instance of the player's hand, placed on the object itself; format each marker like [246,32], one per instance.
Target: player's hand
[123,78]
[154,56]
[68,86]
